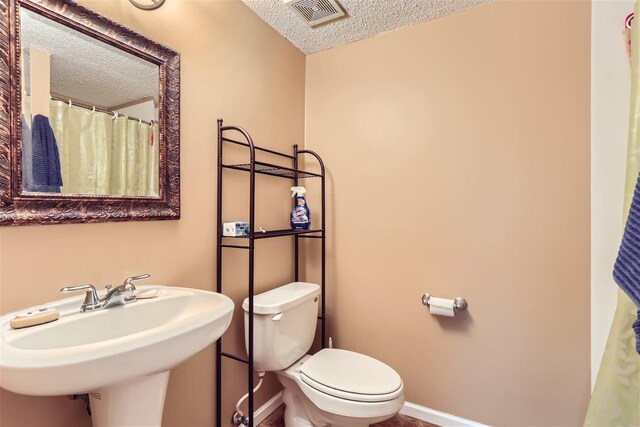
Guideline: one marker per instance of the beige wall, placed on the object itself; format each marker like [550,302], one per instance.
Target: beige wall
[458,154]
[233,66]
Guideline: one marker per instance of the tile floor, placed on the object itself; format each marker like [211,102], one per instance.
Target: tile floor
[276,419]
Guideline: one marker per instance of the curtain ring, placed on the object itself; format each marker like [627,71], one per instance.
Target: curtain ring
[139,122]
[94,108]
[115,115]
[70,104]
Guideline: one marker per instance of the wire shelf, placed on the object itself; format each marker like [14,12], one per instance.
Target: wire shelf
[275,233]
[273,170]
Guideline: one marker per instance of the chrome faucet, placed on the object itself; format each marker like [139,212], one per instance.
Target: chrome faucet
[119,295]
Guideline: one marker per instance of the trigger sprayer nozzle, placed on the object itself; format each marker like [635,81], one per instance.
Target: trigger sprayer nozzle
[298,190]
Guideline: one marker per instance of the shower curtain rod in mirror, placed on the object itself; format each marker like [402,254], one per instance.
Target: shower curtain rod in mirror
[101,110]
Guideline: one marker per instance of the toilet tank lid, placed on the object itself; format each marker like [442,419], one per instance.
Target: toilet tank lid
[282,298]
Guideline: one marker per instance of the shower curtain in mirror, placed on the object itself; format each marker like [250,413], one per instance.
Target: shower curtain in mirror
[616,396]
[100,154]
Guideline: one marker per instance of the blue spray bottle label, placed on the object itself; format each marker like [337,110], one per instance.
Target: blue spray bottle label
[300,215]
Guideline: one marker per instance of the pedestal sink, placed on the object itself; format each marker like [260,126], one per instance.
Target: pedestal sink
[121,355]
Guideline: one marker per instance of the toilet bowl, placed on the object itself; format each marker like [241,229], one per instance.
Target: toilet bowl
[333,387]
[340,388]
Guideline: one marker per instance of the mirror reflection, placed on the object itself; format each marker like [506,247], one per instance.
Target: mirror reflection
[89,114]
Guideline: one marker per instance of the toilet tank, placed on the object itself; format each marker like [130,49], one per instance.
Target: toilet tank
[284,324]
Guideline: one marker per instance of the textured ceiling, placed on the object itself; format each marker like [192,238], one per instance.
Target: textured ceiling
[86,69]
[365,18]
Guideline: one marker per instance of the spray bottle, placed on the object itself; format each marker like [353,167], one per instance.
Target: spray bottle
[300,215]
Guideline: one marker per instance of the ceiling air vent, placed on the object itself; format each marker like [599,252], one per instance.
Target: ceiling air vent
[315,12]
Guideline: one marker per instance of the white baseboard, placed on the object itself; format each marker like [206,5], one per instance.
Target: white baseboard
[410,409]
[436,417]
[267,409]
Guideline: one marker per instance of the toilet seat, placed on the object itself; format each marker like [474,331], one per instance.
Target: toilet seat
[353,376]
[350,404]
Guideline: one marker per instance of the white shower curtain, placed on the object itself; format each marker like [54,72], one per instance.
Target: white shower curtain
[100,154]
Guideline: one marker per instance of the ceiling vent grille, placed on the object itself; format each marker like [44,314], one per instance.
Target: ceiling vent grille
[315,12]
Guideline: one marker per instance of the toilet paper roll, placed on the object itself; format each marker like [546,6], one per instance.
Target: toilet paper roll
[441,306]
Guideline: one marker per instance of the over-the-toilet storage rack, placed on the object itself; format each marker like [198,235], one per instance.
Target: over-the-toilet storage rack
[256,167]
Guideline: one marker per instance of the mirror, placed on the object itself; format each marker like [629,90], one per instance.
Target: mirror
[104,135]
[94,123]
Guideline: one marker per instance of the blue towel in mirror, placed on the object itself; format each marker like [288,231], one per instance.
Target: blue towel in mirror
[45,157]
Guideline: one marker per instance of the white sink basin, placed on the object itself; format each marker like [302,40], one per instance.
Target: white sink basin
[91,351]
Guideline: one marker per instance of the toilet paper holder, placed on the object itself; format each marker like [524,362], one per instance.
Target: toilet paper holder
[459,303]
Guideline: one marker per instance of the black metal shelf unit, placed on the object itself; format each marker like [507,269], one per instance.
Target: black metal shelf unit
[255,167]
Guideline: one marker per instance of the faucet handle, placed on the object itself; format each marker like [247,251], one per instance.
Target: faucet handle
[87,287]
[91,297]
[129,287]
[129,280]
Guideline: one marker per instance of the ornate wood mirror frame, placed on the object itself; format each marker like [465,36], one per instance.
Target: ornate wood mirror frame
[18,208]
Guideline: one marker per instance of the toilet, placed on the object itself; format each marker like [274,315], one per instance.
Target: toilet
[330,388]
